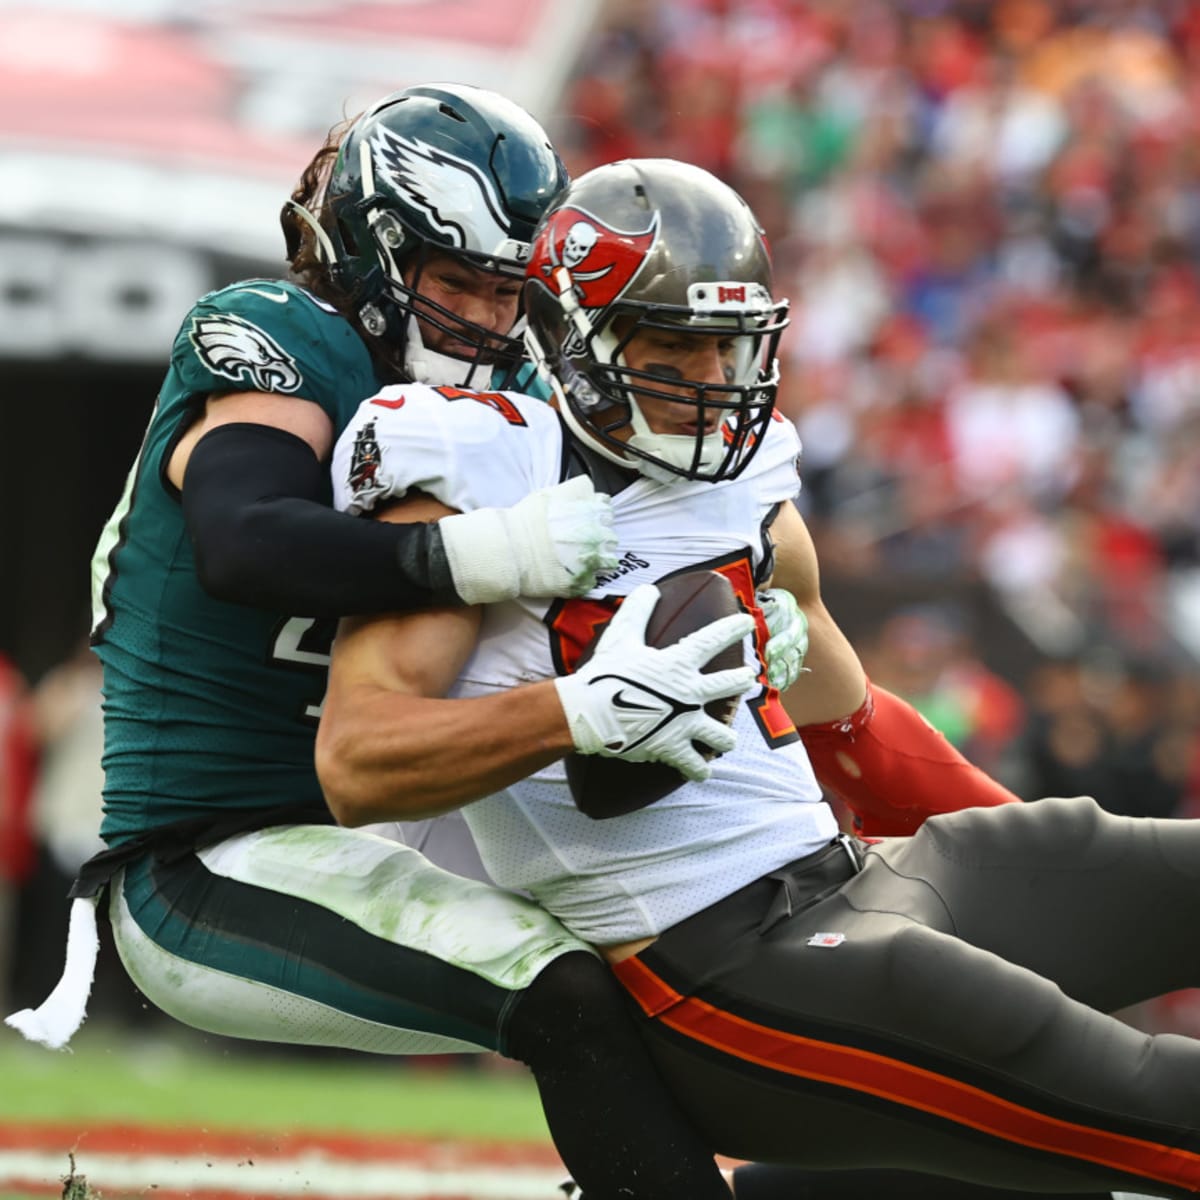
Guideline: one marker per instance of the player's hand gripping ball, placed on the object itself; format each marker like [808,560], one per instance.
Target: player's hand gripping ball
[787,643]
[605,787]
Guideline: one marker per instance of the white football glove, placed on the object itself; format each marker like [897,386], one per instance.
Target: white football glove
[787,646]
[552,543]
[644,704]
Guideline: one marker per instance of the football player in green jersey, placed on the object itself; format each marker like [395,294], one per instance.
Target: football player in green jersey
[237,905]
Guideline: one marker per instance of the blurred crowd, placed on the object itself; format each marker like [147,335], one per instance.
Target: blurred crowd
[1124,730]
[987,218]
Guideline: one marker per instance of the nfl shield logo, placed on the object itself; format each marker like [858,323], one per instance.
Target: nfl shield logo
[828,940]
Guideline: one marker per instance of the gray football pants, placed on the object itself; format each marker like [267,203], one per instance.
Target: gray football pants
[943,1009]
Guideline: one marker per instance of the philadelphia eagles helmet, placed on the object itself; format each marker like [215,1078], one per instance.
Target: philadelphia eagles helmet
[448,168]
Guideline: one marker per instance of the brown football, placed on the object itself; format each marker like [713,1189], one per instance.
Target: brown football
[610,787]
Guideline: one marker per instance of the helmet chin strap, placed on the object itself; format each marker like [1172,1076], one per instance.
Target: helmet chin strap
[424,365]
[677,449]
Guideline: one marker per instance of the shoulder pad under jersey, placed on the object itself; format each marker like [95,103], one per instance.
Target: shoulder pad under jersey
[270,335]
[469,449]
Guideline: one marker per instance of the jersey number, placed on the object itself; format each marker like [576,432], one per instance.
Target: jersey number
[305,644]
[497,400]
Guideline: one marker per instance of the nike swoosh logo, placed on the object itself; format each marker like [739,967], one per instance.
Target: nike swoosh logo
[632,705]
[278,297]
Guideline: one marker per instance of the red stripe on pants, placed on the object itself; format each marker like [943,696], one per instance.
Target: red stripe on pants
[901,1083]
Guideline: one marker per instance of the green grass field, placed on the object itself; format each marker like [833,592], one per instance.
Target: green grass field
[220,1083]
[187,1080]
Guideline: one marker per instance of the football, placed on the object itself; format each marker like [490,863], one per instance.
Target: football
[605,787]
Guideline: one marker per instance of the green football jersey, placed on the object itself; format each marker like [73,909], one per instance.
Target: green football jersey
[211,706]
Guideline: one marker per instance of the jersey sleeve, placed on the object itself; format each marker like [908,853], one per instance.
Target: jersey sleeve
[467,449]
[775,468]
[272,336]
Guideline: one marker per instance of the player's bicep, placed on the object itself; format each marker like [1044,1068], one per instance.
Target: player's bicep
[417,653]
[834,683]
[414,654]
[795,556]
[304,419]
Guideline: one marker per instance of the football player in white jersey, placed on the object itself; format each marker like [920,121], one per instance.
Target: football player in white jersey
[933,1003]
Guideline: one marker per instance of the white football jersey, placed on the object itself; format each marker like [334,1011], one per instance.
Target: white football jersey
[636,875]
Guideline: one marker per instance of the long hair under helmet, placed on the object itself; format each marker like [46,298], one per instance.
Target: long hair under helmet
[443,168]
[655,245]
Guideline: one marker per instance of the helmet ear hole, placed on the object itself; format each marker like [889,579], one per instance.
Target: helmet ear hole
[292,235]
[348,239]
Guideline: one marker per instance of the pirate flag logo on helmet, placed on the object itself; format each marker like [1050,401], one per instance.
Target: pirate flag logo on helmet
[602,260]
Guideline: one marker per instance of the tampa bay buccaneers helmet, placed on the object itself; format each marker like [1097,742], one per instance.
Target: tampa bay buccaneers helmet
[447,167]
[655,245]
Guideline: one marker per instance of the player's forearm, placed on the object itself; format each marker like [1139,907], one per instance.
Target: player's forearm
[386,756]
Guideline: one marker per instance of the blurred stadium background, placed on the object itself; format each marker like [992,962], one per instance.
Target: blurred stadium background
[986,214]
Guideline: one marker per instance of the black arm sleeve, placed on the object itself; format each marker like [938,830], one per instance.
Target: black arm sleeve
[254,501]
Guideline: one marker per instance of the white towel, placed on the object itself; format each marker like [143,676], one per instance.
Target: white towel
[56,1020]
